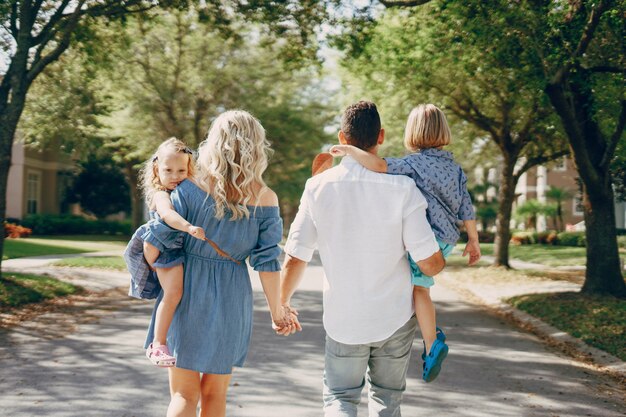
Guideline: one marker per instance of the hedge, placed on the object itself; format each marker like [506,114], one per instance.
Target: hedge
[50,224]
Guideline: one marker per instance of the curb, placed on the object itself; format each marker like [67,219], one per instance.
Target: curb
[567,343]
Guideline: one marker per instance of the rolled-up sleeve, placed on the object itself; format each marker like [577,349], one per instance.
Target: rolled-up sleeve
[302,240]
[466,210]
[264,257]
[419,239]
[160,234]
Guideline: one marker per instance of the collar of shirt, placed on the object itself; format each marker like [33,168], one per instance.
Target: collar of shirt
[437,153]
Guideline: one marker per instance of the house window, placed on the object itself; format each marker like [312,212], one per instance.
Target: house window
[560,165]
[578,205]
[33,192]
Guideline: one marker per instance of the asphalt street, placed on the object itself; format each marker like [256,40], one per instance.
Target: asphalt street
[87,360]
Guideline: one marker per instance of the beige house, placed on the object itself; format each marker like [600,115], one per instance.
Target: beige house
[534,183]
[37,181]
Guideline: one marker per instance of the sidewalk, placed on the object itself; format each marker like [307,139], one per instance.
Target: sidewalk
[88,361]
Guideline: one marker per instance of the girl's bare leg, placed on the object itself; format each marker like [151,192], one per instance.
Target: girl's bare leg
[425,312]
[213,395]
[184,391]
[171,280]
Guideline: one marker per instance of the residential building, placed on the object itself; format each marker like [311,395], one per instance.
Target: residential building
[37,181]
[534,184]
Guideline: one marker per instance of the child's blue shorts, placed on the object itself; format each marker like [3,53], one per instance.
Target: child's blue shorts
[417,277]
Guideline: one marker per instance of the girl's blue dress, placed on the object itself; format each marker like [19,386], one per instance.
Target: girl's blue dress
[211,328]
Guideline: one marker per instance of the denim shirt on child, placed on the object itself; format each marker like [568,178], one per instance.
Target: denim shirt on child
[443,183]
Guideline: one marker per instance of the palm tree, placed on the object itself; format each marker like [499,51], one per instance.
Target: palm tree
[558,196]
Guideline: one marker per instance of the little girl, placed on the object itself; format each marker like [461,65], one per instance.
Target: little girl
[444,184]
[169,166]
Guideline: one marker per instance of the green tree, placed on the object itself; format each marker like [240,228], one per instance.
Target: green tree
[177,73]
[530,209]
[39,33]
[100,187]
[36,34]
[558,196]
[574,51]
[423,54]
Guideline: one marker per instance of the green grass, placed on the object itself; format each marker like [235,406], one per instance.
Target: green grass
[20,289]
[543,254]
[59,245]
[18,248]
[102,262]
[597,320]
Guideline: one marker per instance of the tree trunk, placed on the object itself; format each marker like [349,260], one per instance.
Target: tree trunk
[572,103]
[506,196]
[136,199]
[9,118]
[605,277]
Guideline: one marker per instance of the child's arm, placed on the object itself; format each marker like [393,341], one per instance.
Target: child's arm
[472,247]
[368,160]
[165,209]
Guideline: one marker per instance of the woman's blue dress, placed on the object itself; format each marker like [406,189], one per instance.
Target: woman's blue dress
[211,328]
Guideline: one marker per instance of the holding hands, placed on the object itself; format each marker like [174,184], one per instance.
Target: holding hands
[285,321]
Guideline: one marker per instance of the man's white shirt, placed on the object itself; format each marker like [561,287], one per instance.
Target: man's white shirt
[362,223]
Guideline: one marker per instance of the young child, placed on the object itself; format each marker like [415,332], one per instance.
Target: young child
[444,185]
[169,166]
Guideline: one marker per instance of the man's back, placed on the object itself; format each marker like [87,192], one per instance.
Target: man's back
[362,223]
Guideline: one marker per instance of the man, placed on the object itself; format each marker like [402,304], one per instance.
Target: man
[363,223]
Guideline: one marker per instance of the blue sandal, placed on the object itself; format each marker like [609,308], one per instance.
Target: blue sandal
[434,359]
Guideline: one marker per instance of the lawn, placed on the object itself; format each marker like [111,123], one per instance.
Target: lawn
[597,320]
[58,245]
[102,262]
[20,289]
[543,254]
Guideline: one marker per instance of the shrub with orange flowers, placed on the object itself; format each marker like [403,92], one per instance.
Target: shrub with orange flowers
[15,231]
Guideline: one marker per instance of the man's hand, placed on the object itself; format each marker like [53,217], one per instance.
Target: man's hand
[473,249]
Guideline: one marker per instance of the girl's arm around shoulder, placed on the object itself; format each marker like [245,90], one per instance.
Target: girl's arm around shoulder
[367,159]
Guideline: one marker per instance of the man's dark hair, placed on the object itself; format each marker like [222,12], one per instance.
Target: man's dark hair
[360,124]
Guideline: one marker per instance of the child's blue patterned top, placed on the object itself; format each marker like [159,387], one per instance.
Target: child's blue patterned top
[443,183]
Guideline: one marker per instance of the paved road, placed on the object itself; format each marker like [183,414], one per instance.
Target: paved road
[86,360]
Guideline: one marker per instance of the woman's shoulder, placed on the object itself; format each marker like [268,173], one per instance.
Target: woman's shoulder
[267,198]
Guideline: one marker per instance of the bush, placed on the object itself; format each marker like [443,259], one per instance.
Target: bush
[51,224]
[572,239]
[621,242]
[547,238]
[523,238]
[15,231]
[483,237]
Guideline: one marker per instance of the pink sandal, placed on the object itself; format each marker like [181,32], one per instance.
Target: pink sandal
[160,356]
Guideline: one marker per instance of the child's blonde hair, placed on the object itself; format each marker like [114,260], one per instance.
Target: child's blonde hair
[231,162]
[426,127]
[150,182]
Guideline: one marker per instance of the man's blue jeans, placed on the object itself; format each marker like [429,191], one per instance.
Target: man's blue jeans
[386,363]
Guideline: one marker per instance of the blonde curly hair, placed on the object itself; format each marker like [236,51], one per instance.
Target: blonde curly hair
[231,162]
[149,176]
